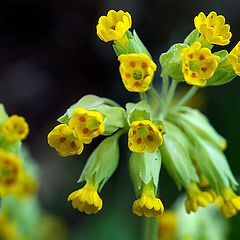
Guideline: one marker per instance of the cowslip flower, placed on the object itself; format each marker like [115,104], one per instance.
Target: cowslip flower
[114,25]
[197,198]
[136,71]
[144,136]
[63,140]
[167,224]
[213,28]
[233,58]
[87,124]
[148,204]
[86,199]
[198,64]
[15,128]
[10,172]
[231,204]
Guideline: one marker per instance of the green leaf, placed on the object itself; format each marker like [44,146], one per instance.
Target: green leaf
[145,167]
[192,37]
[103,162]
[171,62]
[138,111]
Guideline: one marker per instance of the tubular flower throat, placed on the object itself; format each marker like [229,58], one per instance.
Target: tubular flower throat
[114,25]
[213,28]
[63,140]
[87,124]
[197,198]
[15,128]
[231,204]
[86,199]
[10,172]
[198,64]
[136,71]
[144,136]
[148,205]
[234,58]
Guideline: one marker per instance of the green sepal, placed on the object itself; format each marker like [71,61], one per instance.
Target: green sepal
[3,114]
[102,162]
[87,102]
[224,72]
[171,62]
[191,37]
[135,45]
[210,159]
[118,50]
[213,165]
[175,156]
[200,124]
[144,167]
[138,111]
[114,118]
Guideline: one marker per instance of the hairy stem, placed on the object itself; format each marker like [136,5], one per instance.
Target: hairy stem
[150,229]
[187,96]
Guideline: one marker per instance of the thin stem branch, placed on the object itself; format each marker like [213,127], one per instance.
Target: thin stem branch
[165,85]
[143,96]
[187,96]
[150,229]
[171,92]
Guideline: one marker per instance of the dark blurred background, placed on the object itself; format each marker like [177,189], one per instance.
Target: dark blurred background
[50,56]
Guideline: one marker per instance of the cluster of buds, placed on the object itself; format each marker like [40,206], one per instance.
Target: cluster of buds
[15,178]
[159,129]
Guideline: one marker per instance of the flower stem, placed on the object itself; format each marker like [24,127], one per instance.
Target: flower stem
[143,96]
[171,92]
[187,96]
[150,229]
[165,85]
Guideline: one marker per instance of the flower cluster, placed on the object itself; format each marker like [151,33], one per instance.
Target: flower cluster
[69,138]
[160,129]
[14,177]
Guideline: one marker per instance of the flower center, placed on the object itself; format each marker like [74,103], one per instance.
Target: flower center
[137,75]
[194,65]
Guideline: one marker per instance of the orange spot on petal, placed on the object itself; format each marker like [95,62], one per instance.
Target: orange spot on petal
[137,84]
[193,75]
[144,65]
[82,119]
[201,57]
[127,75]
[139,141]
[85,130]
[132,64]
[150,138]
[190,55]
[204,69]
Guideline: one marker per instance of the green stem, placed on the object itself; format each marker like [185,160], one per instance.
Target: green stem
[143,96]
[150,229]
[187,96]
[165,85]
[171,92]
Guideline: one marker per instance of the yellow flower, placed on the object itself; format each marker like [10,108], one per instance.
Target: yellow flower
[136,71]
[8,230]
[87,124]
[10,172]
[27,186]
[15,128]
[234,58]
[197,198]
[86,199]
[144,136]
[148,205]
[167,224]
[114,25]
[63,140]
[198,64]
[231,204]
[213,28]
